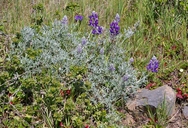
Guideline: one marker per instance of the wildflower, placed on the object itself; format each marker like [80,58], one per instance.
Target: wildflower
[153,65]
[11,98]
[68,92]
[64,20]
[11,103]
[79,49]
[87,126]
[181,70]
[125,78]
[102,51]
[61,124]
[112,68]
[179,93]
[117,18]
[78,18]
[93,19]
[93,22]
[98,30]
[131,60]
[84,41]
[114,28]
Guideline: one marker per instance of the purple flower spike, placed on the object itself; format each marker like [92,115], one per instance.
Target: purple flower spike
[64,20]
[125,78]
[84,41]
[114,28]
[79,49]
[102,51]
[93,19]
[112,68]
[117,18]
[131,60]
[153,65]
[78,18]
[97,30]
[93,22]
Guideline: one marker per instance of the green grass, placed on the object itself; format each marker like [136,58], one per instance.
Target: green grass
[159,117]
[164,36]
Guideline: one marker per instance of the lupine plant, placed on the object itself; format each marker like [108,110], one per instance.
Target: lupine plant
[93,22]
[114,27]
[78,18]
[71,80]
[153,65]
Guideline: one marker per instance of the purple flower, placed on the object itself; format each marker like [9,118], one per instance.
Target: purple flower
[97,30]
[64,20]
[78,18]
[131,60]
[93,22]
[117,18]
[125,78]
[79,49]
[102,51]
[153,65]
[84,41]
[112,68]
[93,19]
[114,28]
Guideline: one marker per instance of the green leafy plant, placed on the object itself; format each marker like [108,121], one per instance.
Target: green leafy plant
[68,78]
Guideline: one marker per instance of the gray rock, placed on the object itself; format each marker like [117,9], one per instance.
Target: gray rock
[185,111]
[155,98]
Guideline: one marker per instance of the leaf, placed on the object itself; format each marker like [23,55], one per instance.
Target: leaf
[1,59]
[17,118]
[28,116]
[179,96]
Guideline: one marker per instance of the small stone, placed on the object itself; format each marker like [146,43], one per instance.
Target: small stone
[185,111]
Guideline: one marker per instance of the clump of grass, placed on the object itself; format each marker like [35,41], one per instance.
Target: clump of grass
[159,116]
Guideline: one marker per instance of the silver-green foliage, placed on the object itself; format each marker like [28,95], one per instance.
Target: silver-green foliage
[60,47]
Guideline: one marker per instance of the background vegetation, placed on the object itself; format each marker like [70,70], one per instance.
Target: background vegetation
[163,32]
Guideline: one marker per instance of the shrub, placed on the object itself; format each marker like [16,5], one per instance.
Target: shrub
[59,75]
